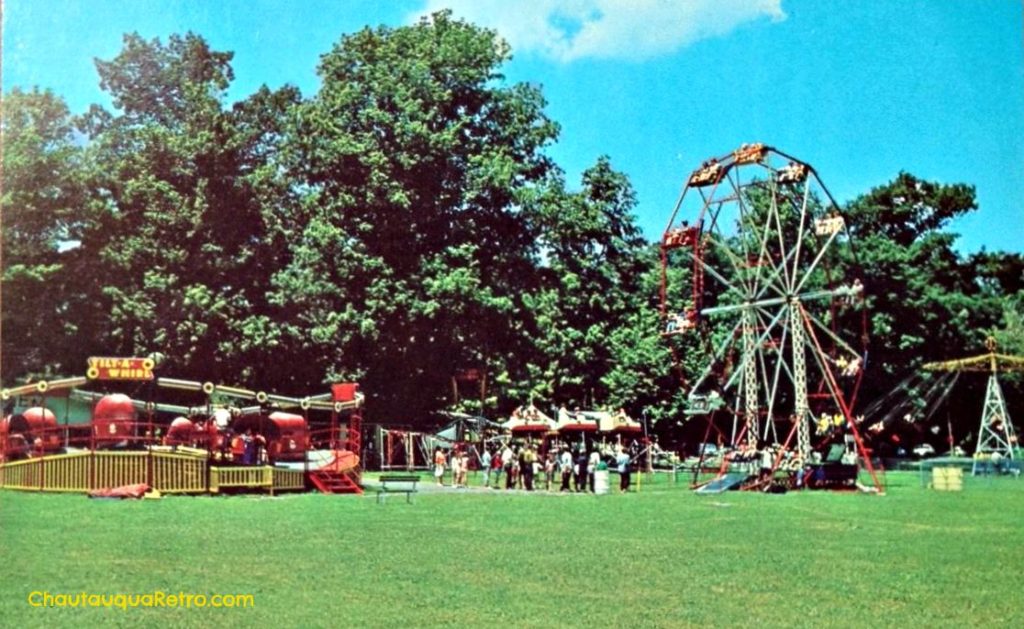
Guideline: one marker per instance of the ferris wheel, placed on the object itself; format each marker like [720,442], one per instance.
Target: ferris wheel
[759,280]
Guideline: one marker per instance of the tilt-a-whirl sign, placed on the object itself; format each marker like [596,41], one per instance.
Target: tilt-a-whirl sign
[103,368]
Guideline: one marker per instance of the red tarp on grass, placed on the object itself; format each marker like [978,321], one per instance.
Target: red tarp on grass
[125,491]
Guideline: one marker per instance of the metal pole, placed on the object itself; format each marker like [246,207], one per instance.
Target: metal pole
[750,386]
[800,382]
[42,449]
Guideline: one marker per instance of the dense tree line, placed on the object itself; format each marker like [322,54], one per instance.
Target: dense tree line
[400,224]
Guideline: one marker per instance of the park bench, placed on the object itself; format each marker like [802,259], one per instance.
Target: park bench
[397,483]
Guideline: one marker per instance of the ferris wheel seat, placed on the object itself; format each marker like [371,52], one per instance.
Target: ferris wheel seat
[680,324]
[829,226]
[686,320]
[680,237]
[697,404]
[750,153]
[708,174]
[793,173]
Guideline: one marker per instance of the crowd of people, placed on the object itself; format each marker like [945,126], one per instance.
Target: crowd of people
[563,467]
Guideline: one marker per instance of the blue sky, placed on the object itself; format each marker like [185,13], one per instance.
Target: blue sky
[861,90]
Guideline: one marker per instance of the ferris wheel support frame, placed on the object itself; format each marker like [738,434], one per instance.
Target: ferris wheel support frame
[769,263]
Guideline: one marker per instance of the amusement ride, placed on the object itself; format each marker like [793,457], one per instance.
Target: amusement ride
[228,438]
[760,281]
[997,440]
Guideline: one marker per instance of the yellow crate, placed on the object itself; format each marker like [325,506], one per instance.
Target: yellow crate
[948,478]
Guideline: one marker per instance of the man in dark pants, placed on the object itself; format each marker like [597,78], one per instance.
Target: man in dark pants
[526,465]
[581,469]
[511,464]
[622,459]
[565,468]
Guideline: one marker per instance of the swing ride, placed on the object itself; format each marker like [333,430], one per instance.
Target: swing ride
[997,440]
[759,278]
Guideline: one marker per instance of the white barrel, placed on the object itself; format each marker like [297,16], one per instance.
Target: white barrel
[600,482]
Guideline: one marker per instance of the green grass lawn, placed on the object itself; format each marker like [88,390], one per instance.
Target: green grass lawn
[662,557]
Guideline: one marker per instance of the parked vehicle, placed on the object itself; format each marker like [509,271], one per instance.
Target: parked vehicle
[924,450]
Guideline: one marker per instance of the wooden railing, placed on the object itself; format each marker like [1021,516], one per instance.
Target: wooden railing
[178,473]
[240,477]
[289,480]
[164,471]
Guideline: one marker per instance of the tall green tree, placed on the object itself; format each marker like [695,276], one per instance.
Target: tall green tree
[414,158]
[592,261]
[926,301]
[921,295]
[41,208]
[180,183]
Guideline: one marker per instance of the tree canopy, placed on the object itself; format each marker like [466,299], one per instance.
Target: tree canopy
[403,223]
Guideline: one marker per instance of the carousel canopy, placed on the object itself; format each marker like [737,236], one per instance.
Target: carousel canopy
[529,419]
[580,421]
[603,421]
[620,422]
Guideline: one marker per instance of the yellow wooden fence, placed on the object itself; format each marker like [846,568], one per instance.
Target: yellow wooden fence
[234,477]
[289,480]
[164,471]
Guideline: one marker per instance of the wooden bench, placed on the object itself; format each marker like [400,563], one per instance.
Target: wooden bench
[397,483]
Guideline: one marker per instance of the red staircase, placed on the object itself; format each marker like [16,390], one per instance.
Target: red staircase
[343,474]
[340,476]
[329,481]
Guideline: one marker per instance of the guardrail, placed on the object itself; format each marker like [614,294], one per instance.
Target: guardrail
[166,472]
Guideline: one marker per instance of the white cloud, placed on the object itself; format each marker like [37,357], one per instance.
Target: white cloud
[566,30]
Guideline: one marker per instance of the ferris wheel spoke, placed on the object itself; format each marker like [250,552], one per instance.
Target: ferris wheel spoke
[774,213]
[744,215]
[717,237]
[826,293]
[832,335]
[783,319]
[817,260]
[759,342]
[714,229]
[714,272]
[800,230]
[748,305]
[762,255]
[745,224]
[823,369]
[780,269]
[770,387]
[714,212]
[717,355]
[779,361]
[763,383]
[771,282]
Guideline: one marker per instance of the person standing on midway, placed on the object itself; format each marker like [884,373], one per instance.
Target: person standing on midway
[595,458]
[439,465]
[622,460]
[485,466]
[565,467]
